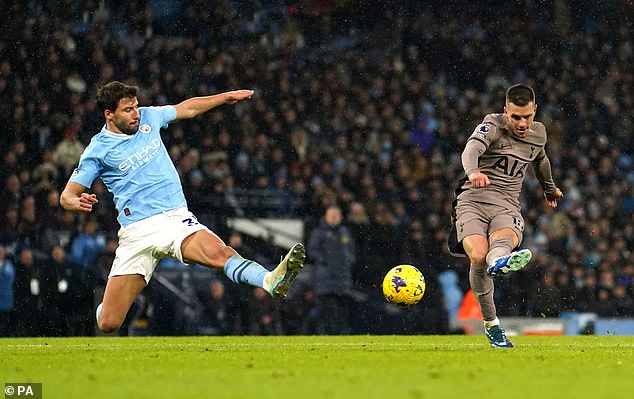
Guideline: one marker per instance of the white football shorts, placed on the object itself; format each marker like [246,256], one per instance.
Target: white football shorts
[142,244]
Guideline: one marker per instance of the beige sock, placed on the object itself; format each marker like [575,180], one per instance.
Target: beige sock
[482,287]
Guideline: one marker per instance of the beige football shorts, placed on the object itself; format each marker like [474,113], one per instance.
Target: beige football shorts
[481,218]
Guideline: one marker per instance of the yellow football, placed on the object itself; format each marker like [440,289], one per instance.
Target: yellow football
[404,285]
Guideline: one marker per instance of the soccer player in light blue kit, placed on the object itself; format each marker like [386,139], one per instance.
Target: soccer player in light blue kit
[131,159]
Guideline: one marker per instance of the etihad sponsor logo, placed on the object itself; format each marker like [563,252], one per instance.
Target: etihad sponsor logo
[141,157]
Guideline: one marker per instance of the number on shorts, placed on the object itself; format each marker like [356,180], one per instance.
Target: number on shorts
[518,223]
[190,222]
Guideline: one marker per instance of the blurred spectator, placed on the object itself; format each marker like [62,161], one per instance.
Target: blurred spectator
[587,293]
[59,228]
[56,277]
[451,293]
[299,312]
[66,292]
[567,291]
[264,312]
[604,304]
[67,152]
[7,277]
[623,302]
[12,194]
[359,224]
[27,291]
[45,176]
[86,246]
[215,317]
[104,260]
[240,295]
[331,249]
[545,299]
[30,225]
[9,228]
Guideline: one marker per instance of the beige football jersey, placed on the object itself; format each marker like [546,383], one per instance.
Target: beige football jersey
[505,161]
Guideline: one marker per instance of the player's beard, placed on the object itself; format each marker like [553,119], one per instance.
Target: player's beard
[127,128]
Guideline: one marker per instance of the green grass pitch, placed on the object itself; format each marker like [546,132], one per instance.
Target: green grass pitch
[322,367]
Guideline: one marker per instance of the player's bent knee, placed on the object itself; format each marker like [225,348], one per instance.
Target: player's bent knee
[109,328]
[477,256]
[478,259]
[476,248]
[108,324]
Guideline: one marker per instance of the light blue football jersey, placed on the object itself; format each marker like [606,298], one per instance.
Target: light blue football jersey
[136,168]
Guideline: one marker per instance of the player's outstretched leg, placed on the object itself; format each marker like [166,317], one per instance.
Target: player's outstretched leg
[278,281]
[510,263]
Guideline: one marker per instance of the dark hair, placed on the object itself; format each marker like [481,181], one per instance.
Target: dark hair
[520,94]
[108,95]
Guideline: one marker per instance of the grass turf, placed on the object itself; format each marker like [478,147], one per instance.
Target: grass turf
[322,367]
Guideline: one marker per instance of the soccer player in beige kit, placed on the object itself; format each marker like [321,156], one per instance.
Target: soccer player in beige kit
[486,223]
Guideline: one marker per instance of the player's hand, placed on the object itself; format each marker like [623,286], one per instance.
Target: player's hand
[86,201]
[551,198]
[479,180]
[233,97]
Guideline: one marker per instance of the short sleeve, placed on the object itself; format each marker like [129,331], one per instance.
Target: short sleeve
[87,170]
[168,114]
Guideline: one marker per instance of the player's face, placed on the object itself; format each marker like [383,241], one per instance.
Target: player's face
[124,119]
[520,118]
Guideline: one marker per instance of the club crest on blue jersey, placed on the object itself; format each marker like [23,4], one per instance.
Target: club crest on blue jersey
[145,128]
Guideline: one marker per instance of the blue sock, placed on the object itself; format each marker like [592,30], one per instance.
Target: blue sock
[98,312]
[244,271]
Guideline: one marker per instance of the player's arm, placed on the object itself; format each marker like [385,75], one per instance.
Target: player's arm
[470,159]
[544,175]
[74,198]
[481,138]
[195,106]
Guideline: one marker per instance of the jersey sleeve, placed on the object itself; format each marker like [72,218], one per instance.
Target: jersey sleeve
[168,114]
[543,172]
[486,133]
[88,169]
[483,135]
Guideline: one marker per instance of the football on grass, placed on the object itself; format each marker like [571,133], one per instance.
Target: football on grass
[404,285]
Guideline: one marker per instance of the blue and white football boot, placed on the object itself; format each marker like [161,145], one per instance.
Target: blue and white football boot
[497,337]
[511,263]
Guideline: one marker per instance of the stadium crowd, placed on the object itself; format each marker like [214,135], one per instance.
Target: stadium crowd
[366,106]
